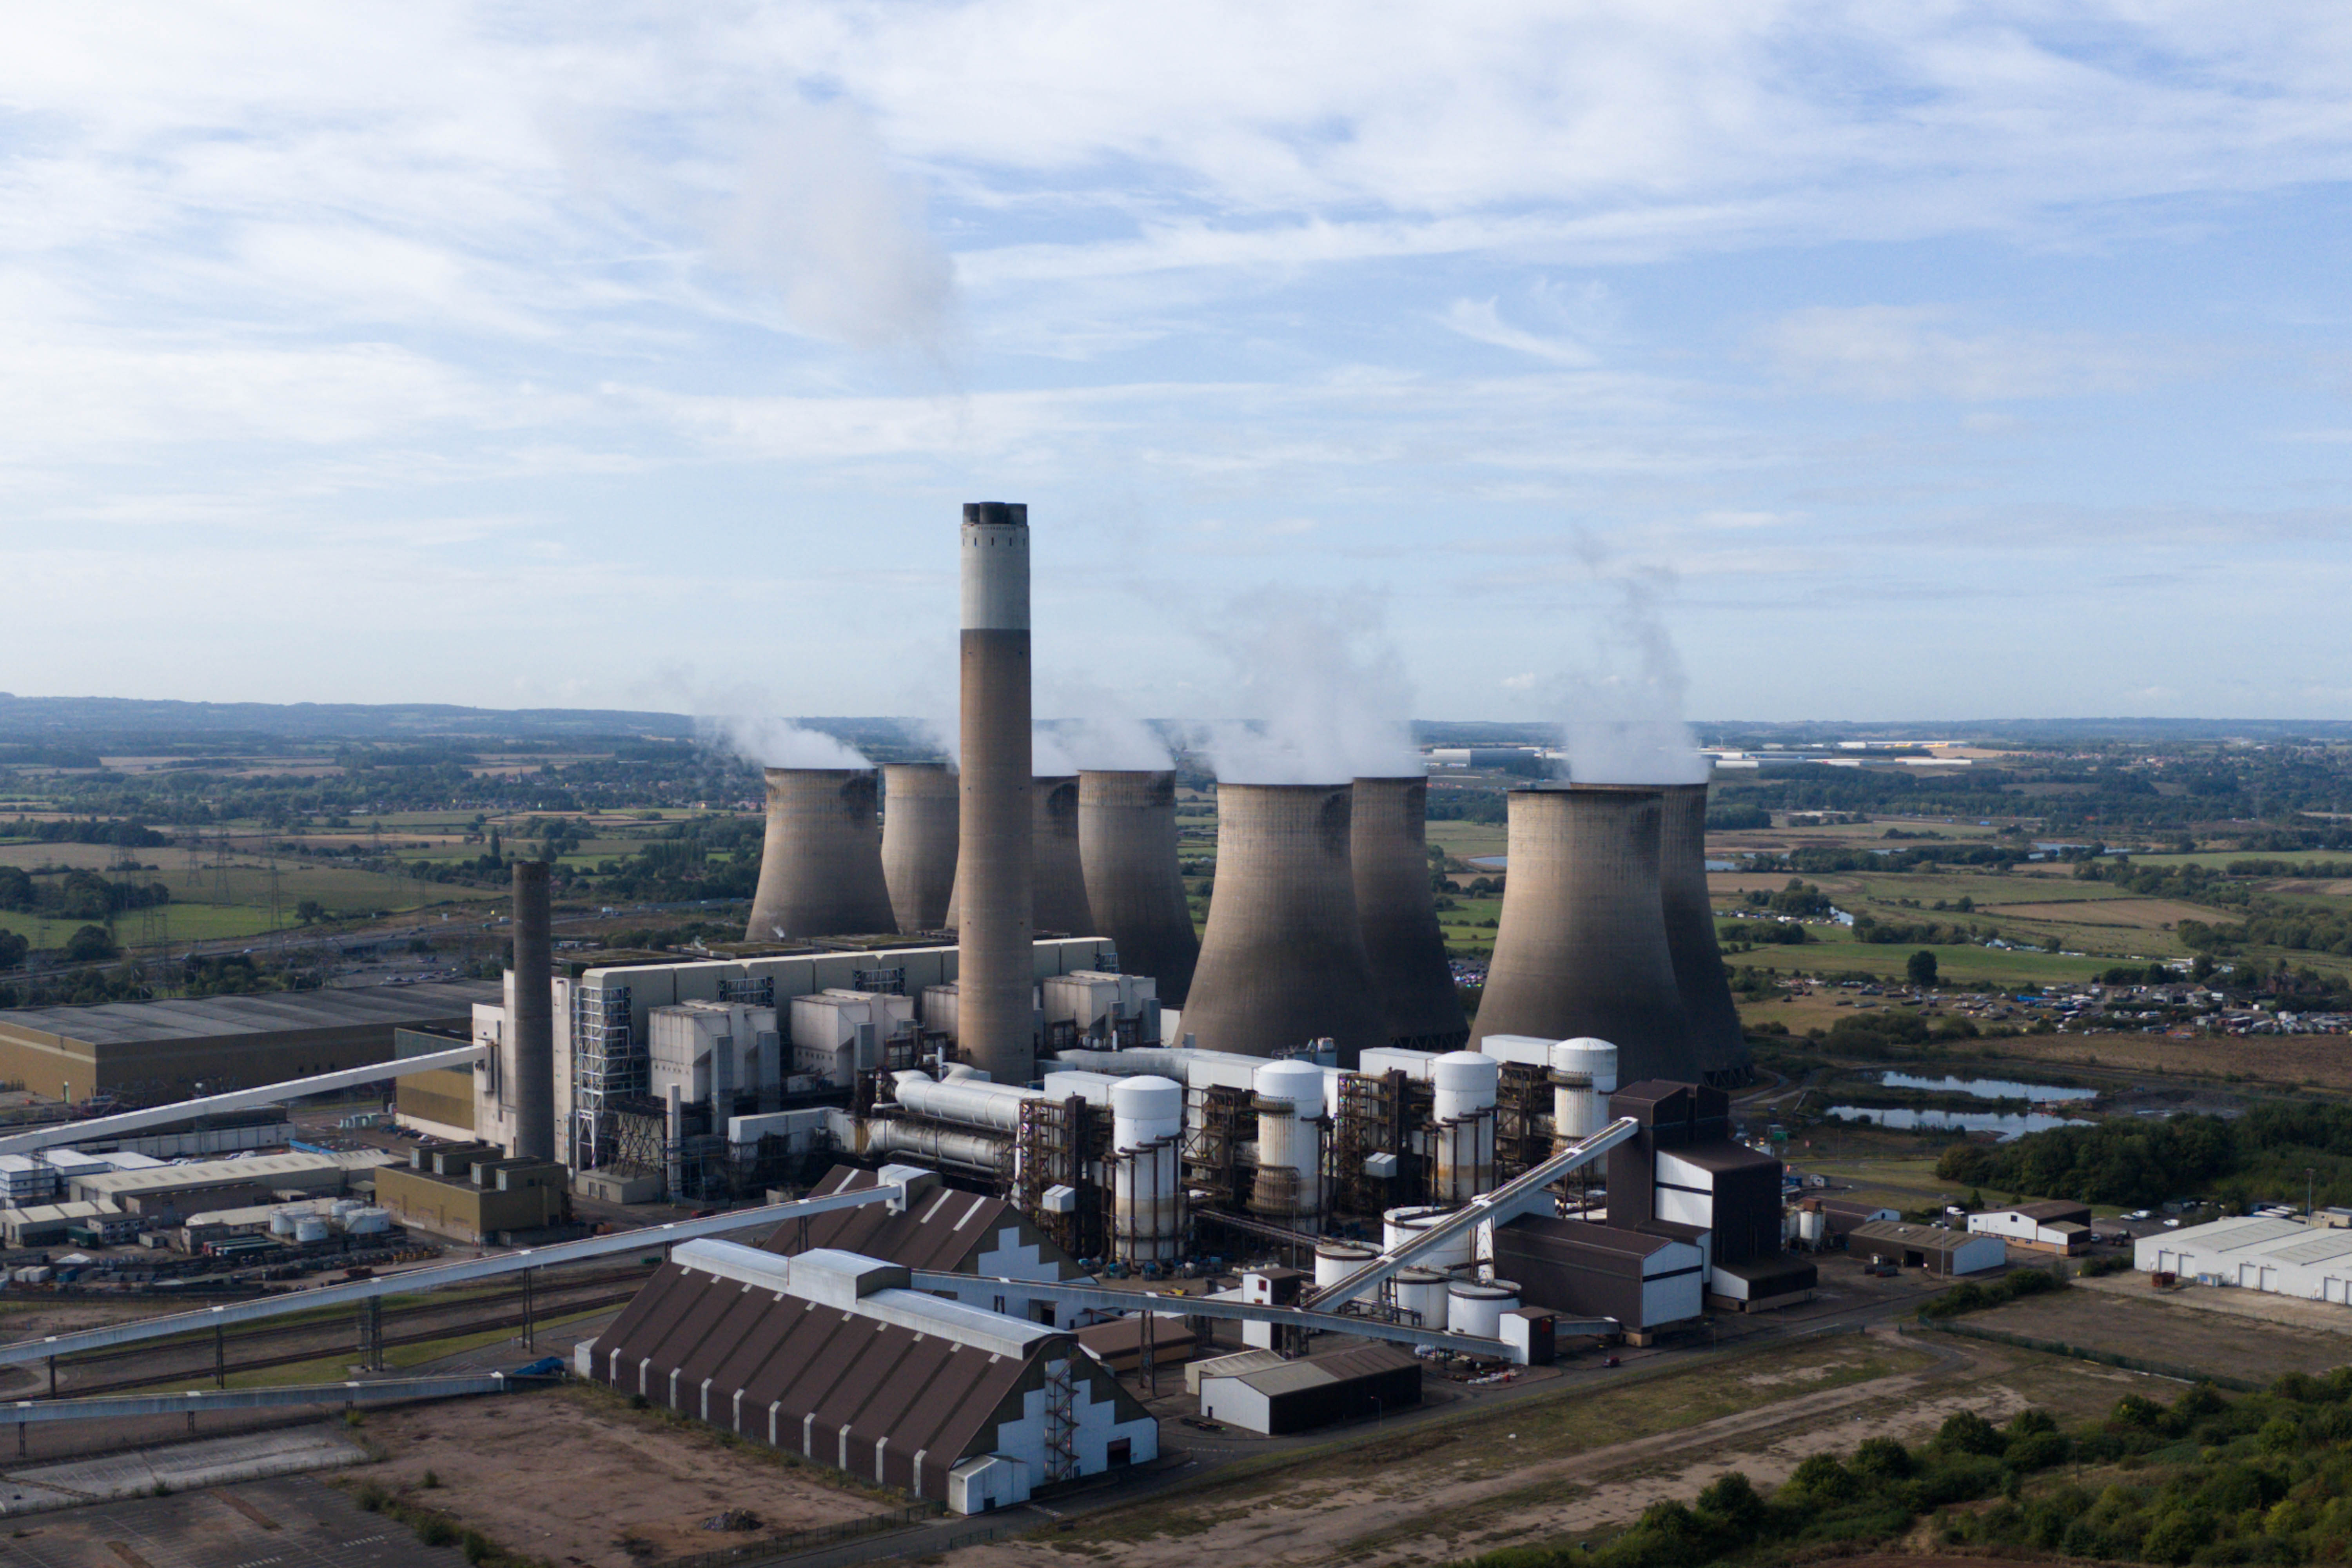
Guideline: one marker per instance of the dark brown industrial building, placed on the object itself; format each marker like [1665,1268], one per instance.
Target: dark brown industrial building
[161,1051]
[829,1355]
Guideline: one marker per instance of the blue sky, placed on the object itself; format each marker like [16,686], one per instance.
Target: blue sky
[1809,360]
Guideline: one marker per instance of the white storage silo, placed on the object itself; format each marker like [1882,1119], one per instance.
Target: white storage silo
[1476,1309]
[1462,1127]
[1421,1295]
[281,1220]
[1398,1227]
[1583,1077]
[311,1227]
[1147,1133]
[368,1221]
[1335,1260]
[1289,1096]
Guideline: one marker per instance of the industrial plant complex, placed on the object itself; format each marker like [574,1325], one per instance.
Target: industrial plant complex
[971,1090]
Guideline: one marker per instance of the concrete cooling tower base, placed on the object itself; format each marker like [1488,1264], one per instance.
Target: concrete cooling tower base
[1389,854]
[820,863]
[1135,884]
[1581,949]
[1283,963]
[1699,974]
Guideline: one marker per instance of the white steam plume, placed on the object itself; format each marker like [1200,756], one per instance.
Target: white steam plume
[1101,731]
[1048,758]
[742,720]
[822,218]
[1325,695]
[1625,714]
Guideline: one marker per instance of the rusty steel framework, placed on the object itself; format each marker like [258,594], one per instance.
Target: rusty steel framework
[1061,1142]
[1213,1145]
[1373,1121]
[1522,1095]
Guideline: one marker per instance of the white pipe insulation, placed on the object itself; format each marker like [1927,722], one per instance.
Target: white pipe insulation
[969,1102]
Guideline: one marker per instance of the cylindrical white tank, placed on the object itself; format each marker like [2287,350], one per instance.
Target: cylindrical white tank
[1422,1292]
[1289,1098]
[1583,1077]
[311,1227]
[1476,1309]
[281,1221]
[368,1221]
[1398,1227]
[1147,1133]
[1812,1226]
[1335,1260]
[1464,1124]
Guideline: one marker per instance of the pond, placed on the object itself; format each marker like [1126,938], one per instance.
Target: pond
[1985,1088]
[2009,1124]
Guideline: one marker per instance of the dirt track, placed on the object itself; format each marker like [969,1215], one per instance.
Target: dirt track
[1419,1511]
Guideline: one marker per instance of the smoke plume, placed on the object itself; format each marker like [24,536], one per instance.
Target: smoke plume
[1624,713]
[1324,695]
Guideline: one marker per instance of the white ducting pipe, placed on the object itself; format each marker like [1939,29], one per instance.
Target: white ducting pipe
[969,1102]
[1583,1077]
[1147,1133]
[1289,1095]
[936,1145]
[1464,1124]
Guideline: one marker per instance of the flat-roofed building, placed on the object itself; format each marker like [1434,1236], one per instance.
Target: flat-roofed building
[159,1051]
[2284,1256]
[167,1192]
[2055,1226]
[474,1193]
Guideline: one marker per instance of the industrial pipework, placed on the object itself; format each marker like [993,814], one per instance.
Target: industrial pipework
[821,860]
[1581,947]
[918,843]
[1699,973]
[531,1014]
[1288,1099]
[1389,854]
[1282,961]
[1135,886]
[996,1019]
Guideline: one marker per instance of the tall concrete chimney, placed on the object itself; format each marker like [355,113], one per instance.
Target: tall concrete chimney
[920,809]
[1060,894]
[821,862]
[1282,961]
[1699,974]
[1135,887]
[1581,949]
[533,1024]
[1389,852]
[996,1013]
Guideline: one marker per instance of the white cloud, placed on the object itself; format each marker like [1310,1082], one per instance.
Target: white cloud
[1479,320]
[1905,352]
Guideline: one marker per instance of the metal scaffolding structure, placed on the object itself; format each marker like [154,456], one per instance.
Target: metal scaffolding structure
[607,1065]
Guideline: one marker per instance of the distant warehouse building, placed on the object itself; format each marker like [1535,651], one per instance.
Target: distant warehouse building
[164,1050]
[2056,1226]
[1927,1247]
[2284,1256]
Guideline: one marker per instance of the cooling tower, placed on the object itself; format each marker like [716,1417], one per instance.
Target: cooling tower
[534,1014]
[997,1013]
[918,842]
[821,864]
[1389,850]
[1135,889]
[1059,897]
[1699,973]
[1582,948]
[1282,961]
